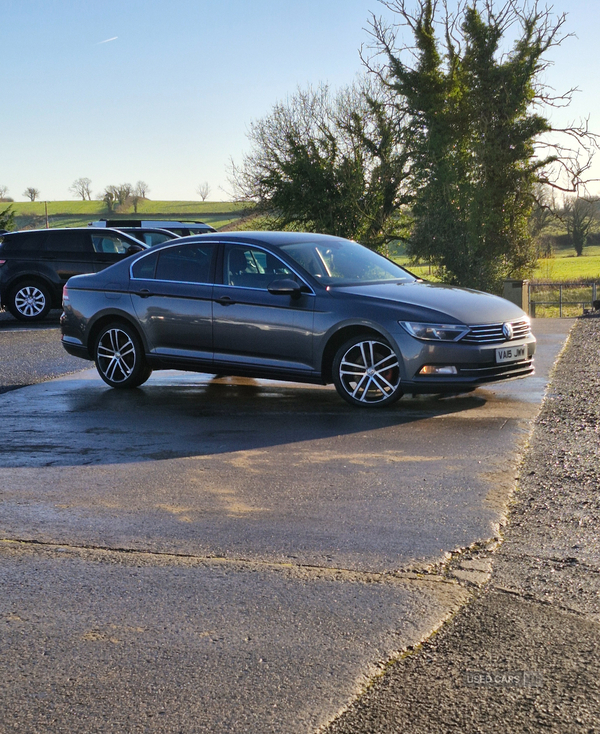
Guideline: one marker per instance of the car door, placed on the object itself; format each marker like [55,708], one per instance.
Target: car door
[255,328]
[109,248]
[172,290]
[69,253]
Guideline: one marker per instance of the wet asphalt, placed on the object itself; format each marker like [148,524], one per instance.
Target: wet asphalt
[234,555]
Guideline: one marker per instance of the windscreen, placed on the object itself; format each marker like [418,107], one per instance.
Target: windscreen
[341,262]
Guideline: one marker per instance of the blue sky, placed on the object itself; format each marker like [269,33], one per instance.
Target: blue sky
[169,101]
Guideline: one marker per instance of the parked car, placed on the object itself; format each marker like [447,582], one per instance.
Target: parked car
[182,229]
[149,236]
[35,264]
[292,306]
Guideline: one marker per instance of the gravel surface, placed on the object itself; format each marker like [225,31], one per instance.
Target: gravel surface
[524,655]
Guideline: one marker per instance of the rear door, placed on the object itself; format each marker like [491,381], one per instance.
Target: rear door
[69,253]
[172,290]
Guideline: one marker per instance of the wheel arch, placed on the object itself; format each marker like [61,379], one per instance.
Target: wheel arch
[111,318]
[35,278]
[337,339]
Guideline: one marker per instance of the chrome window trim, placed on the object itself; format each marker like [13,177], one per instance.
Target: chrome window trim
[172,243]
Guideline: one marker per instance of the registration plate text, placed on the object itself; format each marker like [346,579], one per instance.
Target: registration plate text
[511,354]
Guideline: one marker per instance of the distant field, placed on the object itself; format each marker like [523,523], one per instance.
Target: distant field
[79,213]
[564,266]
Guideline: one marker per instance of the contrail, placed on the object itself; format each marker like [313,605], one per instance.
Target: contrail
[108,40]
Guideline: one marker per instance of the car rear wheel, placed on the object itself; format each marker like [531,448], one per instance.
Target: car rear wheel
[366,372]
[29,301]
[119,357]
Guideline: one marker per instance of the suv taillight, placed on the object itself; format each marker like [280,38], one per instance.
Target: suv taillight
[2,262]
[65,296]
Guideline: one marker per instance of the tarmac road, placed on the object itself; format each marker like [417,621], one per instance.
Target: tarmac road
[233,555]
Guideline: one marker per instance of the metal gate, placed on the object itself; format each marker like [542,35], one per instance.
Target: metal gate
[563,300]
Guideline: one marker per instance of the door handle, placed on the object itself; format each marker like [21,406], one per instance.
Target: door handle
[144,293]
[225,301]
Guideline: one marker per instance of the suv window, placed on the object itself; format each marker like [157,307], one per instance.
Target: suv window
[68,242]
[109,243]
[23,242]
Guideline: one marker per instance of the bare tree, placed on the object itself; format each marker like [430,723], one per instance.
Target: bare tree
[203,190]
[31,193]
[81,187]
[3,192]
[141,189]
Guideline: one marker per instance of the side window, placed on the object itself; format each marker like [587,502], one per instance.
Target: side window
[14,244]
[252,268]
[155,238]
[109,243]
[186,263]
[145,267]
[64,241]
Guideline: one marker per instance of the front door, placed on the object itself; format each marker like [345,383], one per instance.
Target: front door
[254,328]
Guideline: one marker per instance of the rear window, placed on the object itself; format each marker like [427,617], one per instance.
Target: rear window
[22,242]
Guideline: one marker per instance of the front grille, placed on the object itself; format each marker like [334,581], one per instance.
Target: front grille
[492,333]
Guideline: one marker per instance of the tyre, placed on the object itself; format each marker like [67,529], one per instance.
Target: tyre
[119,357]
[29,301]
[366,372]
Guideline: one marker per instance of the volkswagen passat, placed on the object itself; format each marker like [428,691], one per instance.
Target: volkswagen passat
[291,306]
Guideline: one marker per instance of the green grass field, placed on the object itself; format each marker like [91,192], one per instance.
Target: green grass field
[79,213]
[563,266]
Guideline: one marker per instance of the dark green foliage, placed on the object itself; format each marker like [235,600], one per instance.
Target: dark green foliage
[579,215]
[473,134]
[7,218]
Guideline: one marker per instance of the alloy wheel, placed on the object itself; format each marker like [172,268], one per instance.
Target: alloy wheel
[116,355]
[369,373]
[30,301]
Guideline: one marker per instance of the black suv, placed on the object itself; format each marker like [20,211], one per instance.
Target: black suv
[35,264]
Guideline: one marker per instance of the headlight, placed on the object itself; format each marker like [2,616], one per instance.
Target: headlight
[435,332]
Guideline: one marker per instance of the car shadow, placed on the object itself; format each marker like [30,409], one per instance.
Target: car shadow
[74,422]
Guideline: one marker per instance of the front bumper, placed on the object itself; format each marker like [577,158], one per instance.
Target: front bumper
[475,364]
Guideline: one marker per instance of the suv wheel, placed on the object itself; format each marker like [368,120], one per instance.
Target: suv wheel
[366,372]
[29,301]
[119,357]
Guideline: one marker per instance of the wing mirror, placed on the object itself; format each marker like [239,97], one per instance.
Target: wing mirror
[285,287]
[132,249]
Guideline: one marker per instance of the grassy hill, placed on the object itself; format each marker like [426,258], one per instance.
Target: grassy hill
[30,215]
[563,265]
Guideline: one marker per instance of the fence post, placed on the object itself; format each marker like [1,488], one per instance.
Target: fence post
[560,301]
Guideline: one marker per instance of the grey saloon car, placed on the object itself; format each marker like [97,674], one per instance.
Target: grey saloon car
[291,306]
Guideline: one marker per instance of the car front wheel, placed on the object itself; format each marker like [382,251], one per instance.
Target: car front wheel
[29,301]
[366,372]
[119,357]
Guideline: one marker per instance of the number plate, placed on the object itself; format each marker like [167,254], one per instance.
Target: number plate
[511,354]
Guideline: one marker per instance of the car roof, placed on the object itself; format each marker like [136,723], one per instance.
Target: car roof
[275,239]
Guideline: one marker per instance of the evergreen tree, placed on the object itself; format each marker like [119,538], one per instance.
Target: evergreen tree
[473,128]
